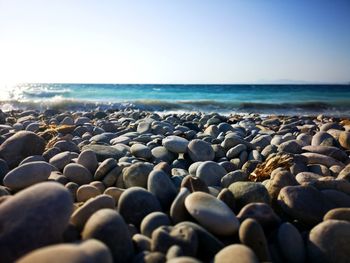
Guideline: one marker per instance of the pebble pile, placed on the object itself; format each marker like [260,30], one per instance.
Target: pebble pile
[135,186]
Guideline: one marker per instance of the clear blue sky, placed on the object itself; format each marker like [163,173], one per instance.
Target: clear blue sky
[178,41]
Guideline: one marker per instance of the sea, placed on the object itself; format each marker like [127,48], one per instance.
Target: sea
[330,100]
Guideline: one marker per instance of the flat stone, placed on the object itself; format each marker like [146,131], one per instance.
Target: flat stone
[33,218]
[27,175]
[90,251]
[212,214]
[77,173]
[199,150]
[135,203]
[249,192]
[240,253]
[291,146]
[328,242]
[160,184]
[175,144]
[330,151]
[109,227]
[315,158]
[291,243]
[21,145]
[106,166]
[104,152]
[235,151]
[342,213]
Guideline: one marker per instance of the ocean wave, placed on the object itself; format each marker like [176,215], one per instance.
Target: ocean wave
[61,103]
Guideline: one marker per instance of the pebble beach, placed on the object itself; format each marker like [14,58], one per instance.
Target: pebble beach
[138,186]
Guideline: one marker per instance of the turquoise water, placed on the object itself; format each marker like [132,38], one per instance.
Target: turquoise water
[277,99]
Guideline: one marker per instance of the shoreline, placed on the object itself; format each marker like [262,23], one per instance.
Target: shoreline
[141,186]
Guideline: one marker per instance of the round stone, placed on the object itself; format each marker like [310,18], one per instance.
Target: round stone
[291,243]
[88,159]
[344,139]
[105,167]
[241,254]
[161,154]
[160,184]
[152,221]
[104,152]
[90,251]
[85,192]
[342,213]
[108,226]
[304,203]
[141,151]
[175,144]
[178,212]
[60,160]
[194,184]
[137,175]
[35,217]
[212,214]
[235,151]
[211,173]
[199,150]
[77,173]
[328,242]
[249,192]
[135,203]
[83,213]
[27,174]
[252,235]
[21,145]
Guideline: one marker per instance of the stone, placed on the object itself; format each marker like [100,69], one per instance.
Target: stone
[252,235]
[77,173]
[291,243]
[291,146]
[104,152]
[35,217]
[141,242]
[65,145]
[178,211]
[208,244]
[161,154]
[330,151]
[183,260]
[315,158]
[4,169]
[235,151]
[323,138]
[21,145]
[88,159]
[27,175]
[174,251]
[135,203]
[342,213]
[152,221]
[241,254]
[60,160]
[85,192]
[175,144]
[213,214]
[344,139]
[160,184]
[199,150]
[90,251]
[83,213]
[328,242]
[211,173]
[307,177]
[166,236]
[279,179]
[232,177]
[304,203]
[33,158]
[249,192]
[194,184]
[141,151]
[104,168]
[227,197]
[344,173]
[262,213]
[137,175]
[109,227]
